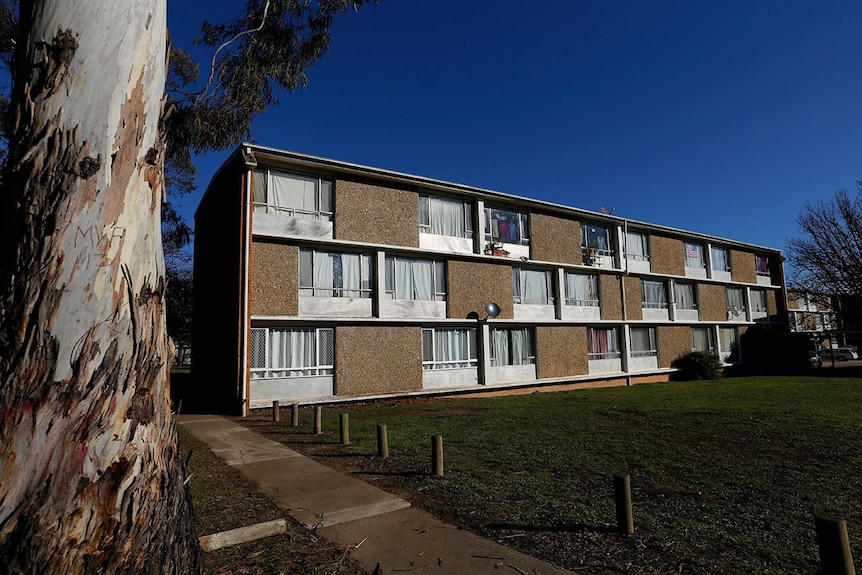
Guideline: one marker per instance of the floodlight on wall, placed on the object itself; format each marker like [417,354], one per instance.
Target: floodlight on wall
[492,310]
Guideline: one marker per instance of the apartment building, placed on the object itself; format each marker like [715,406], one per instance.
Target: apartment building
[320,280]
[813,314]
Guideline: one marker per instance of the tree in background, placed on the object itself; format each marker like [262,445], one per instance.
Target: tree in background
[827,258]
[90,476]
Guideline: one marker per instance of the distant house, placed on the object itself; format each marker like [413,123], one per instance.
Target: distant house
[320,280]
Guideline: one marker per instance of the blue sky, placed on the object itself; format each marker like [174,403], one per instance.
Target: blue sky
[720,117]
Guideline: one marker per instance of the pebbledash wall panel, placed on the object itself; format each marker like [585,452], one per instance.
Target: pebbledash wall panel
[561,351]
[712,302]
[611,297]
[275,269]
[634,299]
[673,341]
[473,284]
[555,239]
[666,255]
[742,267]
[377,359]
[374,213]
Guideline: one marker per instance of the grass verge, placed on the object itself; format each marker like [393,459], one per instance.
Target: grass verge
[726,475]
[224,499]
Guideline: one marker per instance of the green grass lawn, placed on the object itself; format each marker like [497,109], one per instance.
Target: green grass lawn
[726,475]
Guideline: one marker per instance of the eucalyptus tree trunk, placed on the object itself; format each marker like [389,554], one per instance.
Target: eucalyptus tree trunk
[90,476]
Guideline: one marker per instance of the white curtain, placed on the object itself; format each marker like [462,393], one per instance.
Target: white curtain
[684,295]
[582,289]
[727,338]
[293,192]
[653,294]
[500,345]
[604,343]
[323,274]
[447,217]
[351,275]
[735,299]
[700,339]
[533,286]
[291,350]
[642,341]
[636,245]
[450,345]
[758,300]
[522,347]
[719,259]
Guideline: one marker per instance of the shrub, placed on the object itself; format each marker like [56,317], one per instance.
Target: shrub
[697,365]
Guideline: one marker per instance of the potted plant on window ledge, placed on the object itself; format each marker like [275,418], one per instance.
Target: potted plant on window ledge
[495,249]
[592,253]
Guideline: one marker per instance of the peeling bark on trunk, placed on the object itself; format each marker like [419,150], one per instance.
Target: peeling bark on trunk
[90,476]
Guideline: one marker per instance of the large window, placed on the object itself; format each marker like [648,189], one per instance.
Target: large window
[761,266]
[512,347]
[728,341]
[604,343]
[414,279]
[653,294]
[701,339]
[637,247]
[684,295]
[506,226]
[295,195]
[693,255]
[644,342]
[278,352]
[582,290]
[445,217]
[330,274]
[720,259]
[532,286]
[735,301]
[758,301]
[596,238]
[448,348]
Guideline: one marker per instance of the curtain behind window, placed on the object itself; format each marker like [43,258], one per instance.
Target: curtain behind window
[294,192]
[447,217]
[684,294]
[719,259]
[636,245]
[532,285]
[582,289]
[291,350]
[653,294]
[642,340]
[700,339]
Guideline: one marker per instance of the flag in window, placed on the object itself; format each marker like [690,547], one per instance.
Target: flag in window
[692,251]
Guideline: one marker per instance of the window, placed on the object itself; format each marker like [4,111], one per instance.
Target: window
[728,341]
[445,217]
[448,348]
[596,237]
[644,342]
[758,301]
[653,294]
[604,343]
[761,266]
[532,286]
[735,300]
[693,255]
[684,296]
[330,274]
[797,321]
[506,226]
[636,246]
[413,279]
[512,347]
[582,290]
[701,339]
[295,195]
[279,352]
[720,259]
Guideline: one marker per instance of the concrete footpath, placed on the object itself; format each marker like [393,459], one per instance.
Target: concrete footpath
[382,528]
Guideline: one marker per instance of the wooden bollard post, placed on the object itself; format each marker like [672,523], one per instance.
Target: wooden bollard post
[294,415]
[345,428]
[834,545]
[623,498]
[275,411]
[382,441]
[437,455]
[318,419]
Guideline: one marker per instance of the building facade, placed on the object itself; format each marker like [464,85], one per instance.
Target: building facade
[319,280]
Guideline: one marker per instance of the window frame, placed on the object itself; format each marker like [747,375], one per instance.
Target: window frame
[438,278]
[755,308]
[426,207]
[652,337]
[689,259]
[645,304]
[587,238]
[765,273]
[593,355]
[366,285]
[509,333]
[727,262]
[644,257]
[321,182]
[734,309]
[523,221]
[710,338]
[267,370]
[517,287]
[594,289]
[676,299]
[434,364]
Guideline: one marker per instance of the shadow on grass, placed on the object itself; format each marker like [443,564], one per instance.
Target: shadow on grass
[392,473]
[563,528]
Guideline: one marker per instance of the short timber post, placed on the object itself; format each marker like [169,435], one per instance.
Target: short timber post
[275,413]
[294,415]
[834,545]
[382,441]
[344,419]
[623,499]
[318,419]
[437,455]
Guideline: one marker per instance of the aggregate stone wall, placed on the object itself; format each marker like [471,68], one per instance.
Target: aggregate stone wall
[712,302]
[666,255]
[375,213]
[377,359]
[742,267]
[673,342]
[610,296]
[471,285]
[634,300]
[562,351]
[555,239]
[274,279]
[772,302]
